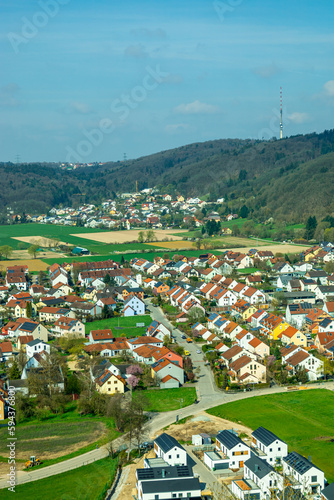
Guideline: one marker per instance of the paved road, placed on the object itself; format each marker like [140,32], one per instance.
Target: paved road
[209,396]
[205,386]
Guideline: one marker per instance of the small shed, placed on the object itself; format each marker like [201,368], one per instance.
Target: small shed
[200,439]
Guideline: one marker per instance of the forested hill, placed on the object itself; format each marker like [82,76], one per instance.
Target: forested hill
[289,178]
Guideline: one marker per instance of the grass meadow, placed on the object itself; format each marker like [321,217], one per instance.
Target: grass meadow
[84,483]
[303,419]
[160,400]
[121,326]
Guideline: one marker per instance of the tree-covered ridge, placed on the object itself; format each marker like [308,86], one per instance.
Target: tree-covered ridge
[289,178]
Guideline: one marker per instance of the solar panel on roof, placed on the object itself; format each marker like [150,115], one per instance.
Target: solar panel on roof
[107,375]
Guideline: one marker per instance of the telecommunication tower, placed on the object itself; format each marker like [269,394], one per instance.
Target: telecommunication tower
[281,114]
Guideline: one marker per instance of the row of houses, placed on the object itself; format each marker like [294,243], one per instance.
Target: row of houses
[169,474]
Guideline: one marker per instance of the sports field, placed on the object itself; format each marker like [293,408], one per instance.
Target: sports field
[303,419]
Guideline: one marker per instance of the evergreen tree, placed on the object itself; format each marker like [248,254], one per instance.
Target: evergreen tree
[244,212]
[14,372]
[122,260]
[29,310]
[310,228]
[106,279]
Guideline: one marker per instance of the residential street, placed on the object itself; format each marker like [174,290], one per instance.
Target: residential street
[208,395]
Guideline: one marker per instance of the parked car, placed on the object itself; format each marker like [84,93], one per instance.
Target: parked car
[198,351]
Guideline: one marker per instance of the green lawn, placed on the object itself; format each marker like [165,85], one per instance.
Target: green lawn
[303,419]
[169,399]
[84,483]
[127,326]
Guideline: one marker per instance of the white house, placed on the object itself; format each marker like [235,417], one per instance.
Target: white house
[35,347]
[233,447]
[164,483]
[310,478]
[263,475]
[268,446]
[169,449]
[133,306]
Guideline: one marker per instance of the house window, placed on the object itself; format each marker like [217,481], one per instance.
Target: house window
[169,456]
[314,479]
[270,449]
[177,456]
[279,449]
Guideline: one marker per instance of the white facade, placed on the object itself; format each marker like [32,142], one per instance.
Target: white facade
[34,347]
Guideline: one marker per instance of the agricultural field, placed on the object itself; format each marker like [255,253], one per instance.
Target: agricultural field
[304,419]
[121,326]
[49,440]
[174,245]
[11,235]
[128,236]
[168,399]
[33,264]
[70,485]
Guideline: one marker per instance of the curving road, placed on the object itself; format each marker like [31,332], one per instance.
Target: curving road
[208,396]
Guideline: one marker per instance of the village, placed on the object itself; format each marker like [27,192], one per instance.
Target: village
[269,328]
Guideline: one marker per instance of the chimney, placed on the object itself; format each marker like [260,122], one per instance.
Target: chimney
[309,458]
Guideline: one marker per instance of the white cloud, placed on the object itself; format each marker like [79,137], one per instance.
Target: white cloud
[329,88]
[196,108]
[176,127]
[298,117]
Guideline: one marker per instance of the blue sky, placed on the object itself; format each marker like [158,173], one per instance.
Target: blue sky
[91,80]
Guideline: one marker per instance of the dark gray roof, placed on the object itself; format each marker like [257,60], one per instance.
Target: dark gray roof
[228,439]
[172,485]
[258,466]
[299,463]
[167,442]
[35,342]
[173,472]
[266,437]
[328,492]
[28,327]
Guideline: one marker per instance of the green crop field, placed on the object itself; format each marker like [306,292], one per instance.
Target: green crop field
[169,399]
[128,256]
[303,419]
[7,233]
[65,234]
[84,483]
[120,326]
